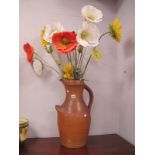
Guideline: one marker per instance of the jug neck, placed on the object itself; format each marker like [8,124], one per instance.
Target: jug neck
[73,87]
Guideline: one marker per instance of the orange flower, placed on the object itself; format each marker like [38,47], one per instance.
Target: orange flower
[64,42]
[29,51]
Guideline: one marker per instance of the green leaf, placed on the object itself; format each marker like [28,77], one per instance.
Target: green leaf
[77,73]
[80,49]
[49,49]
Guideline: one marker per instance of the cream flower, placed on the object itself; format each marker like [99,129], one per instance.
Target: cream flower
[37,66]
[96,54]
[50,30]
[91,14]
[88,35]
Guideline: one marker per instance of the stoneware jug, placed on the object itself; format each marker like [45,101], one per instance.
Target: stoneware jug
[74,114]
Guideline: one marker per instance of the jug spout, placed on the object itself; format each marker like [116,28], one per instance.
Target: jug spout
[58,108]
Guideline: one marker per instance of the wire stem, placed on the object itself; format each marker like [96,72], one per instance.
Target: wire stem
[83,53]
[53,69]
[76,59]
[103,35]
[46,63]
[86,66]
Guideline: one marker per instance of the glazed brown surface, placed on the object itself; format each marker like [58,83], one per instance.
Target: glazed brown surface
[74,114]
[97,145]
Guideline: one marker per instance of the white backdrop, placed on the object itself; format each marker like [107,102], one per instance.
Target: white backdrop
[39,95]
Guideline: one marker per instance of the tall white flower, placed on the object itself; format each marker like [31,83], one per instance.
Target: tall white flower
[91,14]
[50,30]
[88,35]
[37,66]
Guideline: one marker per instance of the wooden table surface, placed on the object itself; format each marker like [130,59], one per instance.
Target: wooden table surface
[97,145]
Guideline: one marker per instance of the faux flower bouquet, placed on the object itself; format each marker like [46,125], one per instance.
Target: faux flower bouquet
[72,45]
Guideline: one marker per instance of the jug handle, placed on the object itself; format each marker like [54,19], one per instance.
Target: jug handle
[91,96]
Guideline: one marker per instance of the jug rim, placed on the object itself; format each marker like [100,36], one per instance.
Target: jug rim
[72,82]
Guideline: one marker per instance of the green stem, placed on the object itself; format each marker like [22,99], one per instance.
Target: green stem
[103,35]
[46,64]
[68,58]
[79,54]
[60,59]
[78,61]
[53,69]
[75,58]
[59,66]
[86,66]
[51,53]
[83,53]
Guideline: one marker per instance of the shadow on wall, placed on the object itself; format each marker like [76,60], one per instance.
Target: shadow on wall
[129,54]
[119,4]
[127,65]
[129,48]
[110,4]
[32,131]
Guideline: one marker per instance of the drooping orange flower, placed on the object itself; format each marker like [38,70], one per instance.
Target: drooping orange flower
[29,52]
[65,42]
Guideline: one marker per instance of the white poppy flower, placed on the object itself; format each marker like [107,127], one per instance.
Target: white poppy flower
[88,35]
[91,14]
[37,66]
[50,30]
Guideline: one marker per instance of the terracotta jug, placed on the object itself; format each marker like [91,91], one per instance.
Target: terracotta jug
[74,115]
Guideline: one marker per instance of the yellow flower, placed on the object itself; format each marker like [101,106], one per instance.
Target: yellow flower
[96,54]
[43,42]
[116,29]
[68,71]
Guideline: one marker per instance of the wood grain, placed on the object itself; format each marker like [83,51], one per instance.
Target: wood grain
[97,145]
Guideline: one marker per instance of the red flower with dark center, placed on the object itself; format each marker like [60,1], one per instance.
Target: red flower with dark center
[65,42]
[29,52]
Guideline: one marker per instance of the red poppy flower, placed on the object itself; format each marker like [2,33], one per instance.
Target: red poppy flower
[29,51]
[65,42]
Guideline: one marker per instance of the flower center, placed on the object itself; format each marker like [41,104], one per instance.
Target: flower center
[92,17]
[84,35]
[65,40]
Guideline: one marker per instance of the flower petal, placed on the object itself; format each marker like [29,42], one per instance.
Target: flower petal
[64,41]
[96,54]
[37,66]
[116,29]
[91,14]
[88,35]
[68,71]
[29,52]
[50,30]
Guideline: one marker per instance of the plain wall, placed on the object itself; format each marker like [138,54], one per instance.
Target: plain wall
[39,95]
[126,71]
